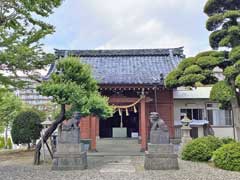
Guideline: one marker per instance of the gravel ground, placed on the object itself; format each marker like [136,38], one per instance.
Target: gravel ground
[111,168]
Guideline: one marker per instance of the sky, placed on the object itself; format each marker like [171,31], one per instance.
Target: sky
[124,24]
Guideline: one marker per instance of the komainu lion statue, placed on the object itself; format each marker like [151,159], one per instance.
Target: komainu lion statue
[71,123]
[157,122]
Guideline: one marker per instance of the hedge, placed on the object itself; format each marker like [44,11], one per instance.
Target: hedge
[228,157]
[201,149]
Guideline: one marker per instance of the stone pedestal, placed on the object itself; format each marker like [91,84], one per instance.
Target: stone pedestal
[70,153]
[70,157]
[160,154]
[159,137]
[160,157]
[186,138]
[185,135]
[72,137]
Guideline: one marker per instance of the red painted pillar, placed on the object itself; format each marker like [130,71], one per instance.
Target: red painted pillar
[93,132]
[143,124]
[85,127]
[97,128]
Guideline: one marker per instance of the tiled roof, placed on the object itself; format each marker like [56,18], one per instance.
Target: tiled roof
[138,66]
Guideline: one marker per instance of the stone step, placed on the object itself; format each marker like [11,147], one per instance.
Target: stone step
[117,141]
[117,147]
[102,154]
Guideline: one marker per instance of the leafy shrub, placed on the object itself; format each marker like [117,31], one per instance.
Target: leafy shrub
[9,143]
[2,142]
[201,149]
[228,140]
[196,151]
[213,142]
[26,127]
[228,157]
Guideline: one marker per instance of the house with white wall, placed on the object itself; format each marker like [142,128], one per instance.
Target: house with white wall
[196,103]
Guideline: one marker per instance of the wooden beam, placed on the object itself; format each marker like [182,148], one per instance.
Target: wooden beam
[143,125]
[122,100]
[115,100]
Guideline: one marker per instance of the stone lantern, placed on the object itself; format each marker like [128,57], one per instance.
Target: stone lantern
[47,123]
[185,130]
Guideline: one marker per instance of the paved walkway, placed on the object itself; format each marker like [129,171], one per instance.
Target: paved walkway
[104,166]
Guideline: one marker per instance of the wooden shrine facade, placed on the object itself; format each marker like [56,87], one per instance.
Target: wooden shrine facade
[134,82]
[122,95]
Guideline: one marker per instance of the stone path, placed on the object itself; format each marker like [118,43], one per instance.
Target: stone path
[123,165]
[112,168]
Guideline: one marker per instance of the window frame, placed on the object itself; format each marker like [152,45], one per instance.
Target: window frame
[215,107]
[192,108]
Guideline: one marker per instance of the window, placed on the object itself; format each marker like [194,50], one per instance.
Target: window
[196,114]
[218,117]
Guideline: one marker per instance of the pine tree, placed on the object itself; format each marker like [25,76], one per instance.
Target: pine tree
[224,24]
[72,85]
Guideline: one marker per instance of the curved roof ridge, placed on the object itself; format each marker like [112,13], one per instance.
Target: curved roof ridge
[121,52]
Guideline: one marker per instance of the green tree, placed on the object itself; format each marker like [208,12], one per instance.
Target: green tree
[41,113]
[10,106]
[20,32]
[72,85]
[224,24]
[26,128]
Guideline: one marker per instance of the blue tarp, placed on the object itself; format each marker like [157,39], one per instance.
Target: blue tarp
[193,123]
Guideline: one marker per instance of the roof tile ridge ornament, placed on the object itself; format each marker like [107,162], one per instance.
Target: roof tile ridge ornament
[181,49]
[51,69]
[53,65]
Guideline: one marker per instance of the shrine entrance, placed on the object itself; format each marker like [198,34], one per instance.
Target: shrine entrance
[120,125]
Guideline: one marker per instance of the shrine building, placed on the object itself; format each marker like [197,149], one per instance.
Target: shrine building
[133,80]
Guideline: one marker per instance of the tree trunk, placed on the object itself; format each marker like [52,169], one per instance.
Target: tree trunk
[236,119]
[48,134]
[6,137]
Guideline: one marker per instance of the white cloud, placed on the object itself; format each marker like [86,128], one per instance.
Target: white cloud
[131,24]
[150,34]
